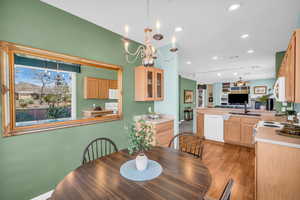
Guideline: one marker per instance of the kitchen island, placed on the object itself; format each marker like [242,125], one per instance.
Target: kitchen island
[235,129]
[277,165]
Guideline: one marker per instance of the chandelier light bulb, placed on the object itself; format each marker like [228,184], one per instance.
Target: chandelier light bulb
[158,35]
[158,26]
[153,49]
[126,44]
[173,41]
[173,49]
[126,28]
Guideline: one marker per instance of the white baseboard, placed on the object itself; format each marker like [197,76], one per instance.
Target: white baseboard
[44,196]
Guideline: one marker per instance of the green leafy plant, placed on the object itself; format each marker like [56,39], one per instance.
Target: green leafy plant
[140,137]
[54,112]
[23,103]
[30,101]
[263,99]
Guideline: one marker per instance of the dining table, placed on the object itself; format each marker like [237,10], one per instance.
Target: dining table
[183,177]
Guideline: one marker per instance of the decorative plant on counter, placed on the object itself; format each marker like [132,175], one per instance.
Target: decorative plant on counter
[263,99]
[140,139]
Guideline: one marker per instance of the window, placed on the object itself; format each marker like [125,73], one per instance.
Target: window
[43,90]
[44,95]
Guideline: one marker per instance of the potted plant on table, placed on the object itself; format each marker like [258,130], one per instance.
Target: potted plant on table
[140,139]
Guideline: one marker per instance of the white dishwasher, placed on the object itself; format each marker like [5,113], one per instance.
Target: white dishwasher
[214,127]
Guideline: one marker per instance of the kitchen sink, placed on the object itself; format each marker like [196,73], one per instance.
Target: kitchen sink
[240,113]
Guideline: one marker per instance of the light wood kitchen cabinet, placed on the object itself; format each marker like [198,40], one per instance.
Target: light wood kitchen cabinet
[290,69]
[239,130]
[91,86]
[163,133]
[97,88]
[149,84]
[103,88]
[277,174]
[200,125]
[232,130]
[247,125]
[113,84]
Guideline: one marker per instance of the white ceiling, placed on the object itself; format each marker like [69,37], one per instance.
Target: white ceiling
[209,30]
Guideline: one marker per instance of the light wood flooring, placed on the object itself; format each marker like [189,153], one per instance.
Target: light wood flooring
[229,161]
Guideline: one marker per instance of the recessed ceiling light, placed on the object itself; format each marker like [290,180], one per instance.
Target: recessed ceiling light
[250,51]
[235,73]
[244,36]
[234,7]
[178,29]
[218,74]
[215,58]
[188,62]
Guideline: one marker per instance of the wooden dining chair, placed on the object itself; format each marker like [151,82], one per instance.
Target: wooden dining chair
[188,143]
[98,148]
[226,194]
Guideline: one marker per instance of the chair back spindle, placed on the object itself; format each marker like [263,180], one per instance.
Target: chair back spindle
[188,143]
[98,148]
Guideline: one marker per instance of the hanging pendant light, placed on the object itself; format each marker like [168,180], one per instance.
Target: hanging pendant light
[240,82]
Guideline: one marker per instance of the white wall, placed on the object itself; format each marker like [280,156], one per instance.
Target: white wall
[168,61]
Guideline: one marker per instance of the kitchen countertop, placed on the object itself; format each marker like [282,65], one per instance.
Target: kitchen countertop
[163,118]
[269,135]
[265,115]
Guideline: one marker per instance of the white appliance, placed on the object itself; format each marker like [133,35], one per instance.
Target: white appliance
[270,124]
[113,94]
[201,97]
[279,89]
[214,127]
[112,106]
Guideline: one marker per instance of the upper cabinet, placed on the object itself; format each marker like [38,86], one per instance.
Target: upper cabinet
[290,69]
[96,88]
[149,84]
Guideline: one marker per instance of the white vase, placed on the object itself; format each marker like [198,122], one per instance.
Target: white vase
[141,162]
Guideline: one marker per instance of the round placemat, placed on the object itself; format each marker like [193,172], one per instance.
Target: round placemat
[129,171]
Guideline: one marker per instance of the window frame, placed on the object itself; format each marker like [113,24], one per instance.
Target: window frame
[9,128]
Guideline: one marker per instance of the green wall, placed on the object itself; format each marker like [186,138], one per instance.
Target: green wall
[186,84]
[170,104]
[217,91]
[33,164]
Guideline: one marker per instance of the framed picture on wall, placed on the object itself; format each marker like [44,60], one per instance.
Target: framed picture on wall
[188,96]
[260,90]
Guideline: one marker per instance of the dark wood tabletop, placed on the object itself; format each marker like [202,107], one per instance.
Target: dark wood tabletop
[183,177]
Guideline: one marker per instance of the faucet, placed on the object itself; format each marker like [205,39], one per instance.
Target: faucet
[245,107]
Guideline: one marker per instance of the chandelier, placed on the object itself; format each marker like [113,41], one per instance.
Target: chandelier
[240,82]
[146,52]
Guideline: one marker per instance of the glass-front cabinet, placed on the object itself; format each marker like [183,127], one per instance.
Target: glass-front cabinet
[149,84]
[159,74]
